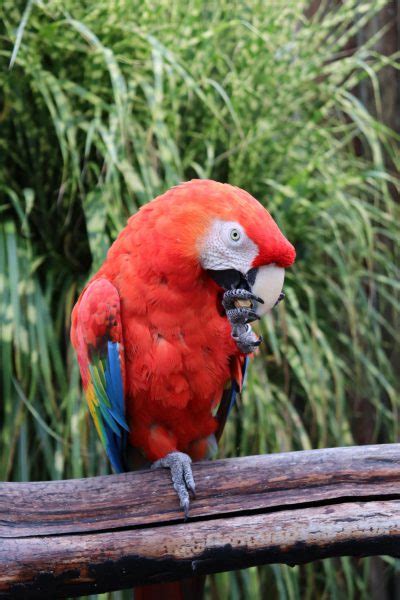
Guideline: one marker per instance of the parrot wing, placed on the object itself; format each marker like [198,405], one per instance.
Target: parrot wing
[97,338]
[233,388]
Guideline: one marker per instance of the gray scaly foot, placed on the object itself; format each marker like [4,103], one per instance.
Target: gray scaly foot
[246,340]
[181,475]
[239,308]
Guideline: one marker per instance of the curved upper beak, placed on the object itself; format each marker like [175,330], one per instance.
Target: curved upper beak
[267,283]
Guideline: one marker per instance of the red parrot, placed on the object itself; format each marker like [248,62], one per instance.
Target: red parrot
[162,330]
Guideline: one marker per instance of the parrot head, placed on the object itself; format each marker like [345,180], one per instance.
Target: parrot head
[242,246]
[224,231]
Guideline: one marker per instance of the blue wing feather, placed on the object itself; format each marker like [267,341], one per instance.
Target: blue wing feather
[115,425]
[109,409]
[114,380]
[96,334]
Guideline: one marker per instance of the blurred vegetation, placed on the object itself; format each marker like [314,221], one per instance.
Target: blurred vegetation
[109,103]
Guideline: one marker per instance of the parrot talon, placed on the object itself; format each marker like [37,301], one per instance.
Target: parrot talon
[241,316]
[181,475]
[245,338]
[230,296]
[239,308]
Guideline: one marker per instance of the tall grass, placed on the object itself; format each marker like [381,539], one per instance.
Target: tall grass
[109,103]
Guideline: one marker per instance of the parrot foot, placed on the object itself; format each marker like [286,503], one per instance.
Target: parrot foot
[239,305]
[247,341]
[181,475]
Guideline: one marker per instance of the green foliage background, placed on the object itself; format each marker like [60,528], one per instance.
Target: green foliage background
[109,103]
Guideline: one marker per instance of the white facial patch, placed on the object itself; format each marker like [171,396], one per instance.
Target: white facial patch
[268,285]
[227,246]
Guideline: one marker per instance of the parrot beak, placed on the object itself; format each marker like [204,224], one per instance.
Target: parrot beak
[267,283]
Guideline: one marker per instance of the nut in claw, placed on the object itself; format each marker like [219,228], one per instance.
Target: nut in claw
[243,303]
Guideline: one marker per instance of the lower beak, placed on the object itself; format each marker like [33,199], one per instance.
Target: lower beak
[267,283]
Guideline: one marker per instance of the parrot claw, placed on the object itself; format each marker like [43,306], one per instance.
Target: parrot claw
[231,296]
[245,338]
[239,306]
[240,315]
[181,475]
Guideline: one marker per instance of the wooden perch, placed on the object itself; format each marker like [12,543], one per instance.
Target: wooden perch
[75,537]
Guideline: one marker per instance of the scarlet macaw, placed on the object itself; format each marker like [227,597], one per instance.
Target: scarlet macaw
[164,324]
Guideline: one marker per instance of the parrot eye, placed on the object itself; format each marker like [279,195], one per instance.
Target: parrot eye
[235,235]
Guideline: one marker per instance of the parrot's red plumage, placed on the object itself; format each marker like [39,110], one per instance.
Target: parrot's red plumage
[153,297]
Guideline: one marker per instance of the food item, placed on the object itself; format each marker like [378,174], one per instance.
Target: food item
[243,303]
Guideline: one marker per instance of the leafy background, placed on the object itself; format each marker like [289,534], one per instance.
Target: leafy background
[109,103]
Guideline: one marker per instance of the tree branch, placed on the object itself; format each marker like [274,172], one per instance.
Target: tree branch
[69,538]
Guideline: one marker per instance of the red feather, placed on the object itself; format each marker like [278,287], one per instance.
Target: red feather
[178,347]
